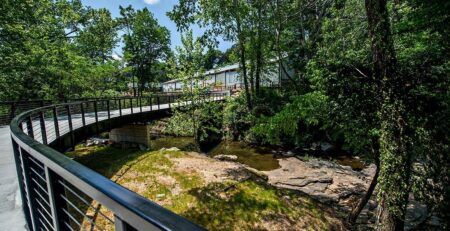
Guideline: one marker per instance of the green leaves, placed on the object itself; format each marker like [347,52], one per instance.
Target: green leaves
[54,49]
[310,109]
[146,44]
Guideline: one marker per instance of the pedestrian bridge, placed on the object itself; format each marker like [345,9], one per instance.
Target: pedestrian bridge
[57,193]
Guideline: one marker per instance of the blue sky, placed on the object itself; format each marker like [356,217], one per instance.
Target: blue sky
[158,8]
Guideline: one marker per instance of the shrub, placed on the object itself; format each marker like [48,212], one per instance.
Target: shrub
[237,119]
[180,124]
[296,124]
[210,121]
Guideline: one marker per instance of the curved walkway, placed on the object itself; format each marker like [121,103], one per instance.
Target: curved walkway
[11,215]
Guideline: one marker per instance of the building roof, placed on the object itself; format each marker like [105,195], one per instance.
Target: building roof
[212,71]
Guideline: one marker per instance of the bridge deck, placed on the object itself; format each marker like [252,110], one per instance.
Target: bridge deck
[11,214]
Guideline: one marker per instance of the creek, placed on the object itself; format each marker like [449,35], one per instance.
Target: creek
[258,157]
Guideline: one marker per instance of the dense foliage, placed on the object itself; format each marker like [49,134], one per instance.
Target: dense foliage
[370,77]
[59,49]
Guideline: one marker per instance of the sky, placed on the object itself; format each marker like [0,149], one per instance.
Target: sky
[158,8]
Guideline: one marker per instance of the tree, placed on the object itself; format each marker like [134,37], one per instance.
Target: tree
[221,18]
[213,58]
[49,48]
[146,44]
[395,160]
[98,37]
[187,65]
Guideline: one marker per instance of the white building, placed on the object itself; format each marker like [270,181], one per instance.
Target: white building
[228,78]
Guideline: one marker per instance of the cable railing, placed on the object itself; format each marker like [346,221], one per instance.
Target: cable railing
[59,193]
[10,109]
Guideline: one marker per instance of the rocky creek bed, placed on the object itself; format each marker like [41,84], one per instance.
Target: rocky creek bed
[219,195]
[332,184]
[339,187]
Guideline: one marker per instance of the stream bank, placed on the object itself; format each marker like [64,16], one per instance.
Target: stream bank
[218,195]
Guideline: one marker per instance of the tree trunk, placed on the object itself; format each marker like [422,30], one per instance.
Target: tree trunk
[389,221]
[252,78]
[394,158]
[278,22]
[241,41]
[362,203]
[258,52]
[244,73]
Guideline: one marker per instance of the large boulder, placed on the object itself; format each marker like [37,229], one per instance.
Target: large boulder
[326,181]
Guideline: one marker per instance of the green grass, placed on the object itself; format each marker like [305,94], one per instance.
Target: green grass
[248,205]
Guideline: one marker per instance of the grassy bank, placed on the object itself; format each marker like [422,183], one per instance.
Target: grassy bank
[173,180]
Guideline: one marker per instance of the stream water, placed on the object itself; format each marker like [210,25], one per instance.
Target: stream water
[261,158]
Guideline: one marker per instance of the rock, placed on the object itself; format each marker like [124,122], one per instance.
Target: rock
[257,173]
[305,182]
[370,170]
[143,147]
[89,143]
[416,213]
[315,146]
[172,149]
[316,163]
[326,147]
[96,141]
[326,181]
[326,199]
[226,157]
[159,196]
[288,154]
[434,221]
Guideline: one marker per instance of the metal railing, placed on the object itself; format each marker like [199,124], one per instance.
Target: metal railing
[58,193]
[10,109]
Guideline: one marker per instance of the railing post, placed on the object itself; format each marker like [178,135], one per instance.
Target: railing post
[157,99]
[69,119]
[131,105]
[43,129]
[83,118]
[21,181]
[120,107]
[59,204]
[151,103]
[30,127]
[140,103]
[96,117]
[30,194]
[108,109]
[55,121]
[169,100]
[121,225]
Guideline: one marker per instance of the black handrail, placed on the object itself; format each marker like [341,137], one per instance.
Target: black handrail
[52,184]
[10,109]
